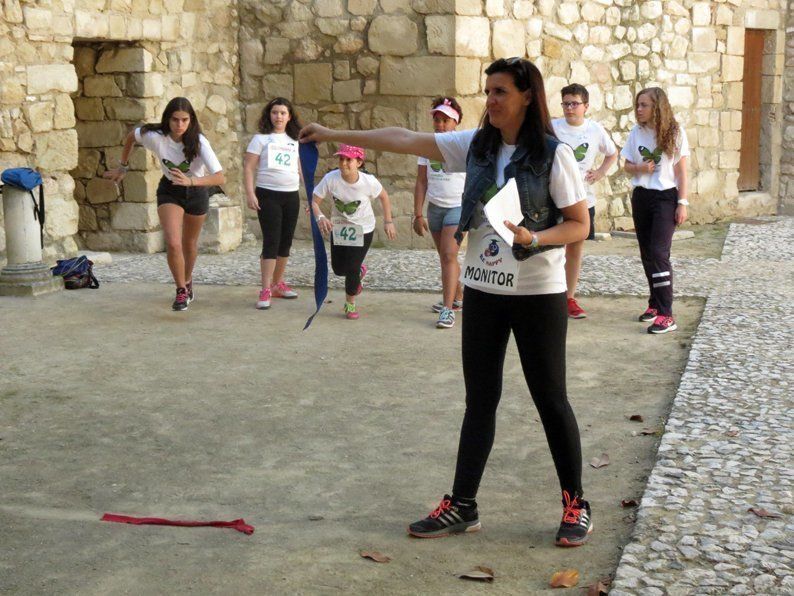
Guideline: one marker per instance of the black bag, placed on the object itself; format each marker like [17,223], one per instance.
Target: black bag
[77,273]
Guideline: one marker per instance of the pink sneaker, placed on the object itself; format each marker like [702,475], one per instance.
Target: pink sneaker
[350,311]
[282,290]
[662,324]
[264,299]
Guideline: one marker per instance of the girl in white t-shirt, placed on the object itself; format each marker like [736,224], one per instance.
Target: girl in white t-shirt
[271,172]
[655,155]
[352,222]
[189,167]
[518,289]
[443,191]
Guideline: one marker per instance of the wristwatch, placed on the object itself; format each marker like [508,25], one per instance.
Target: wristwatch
[683,202]
[534,243]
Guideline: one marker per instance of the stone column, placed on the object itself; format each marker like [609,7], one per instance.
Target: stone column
[25,274]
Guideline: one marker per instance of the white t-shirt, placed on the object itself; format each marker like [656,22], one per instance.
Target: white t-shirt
[641,146]
[543,273]
[587,141]
[444,189]
[342,194]
[171,154]
[278,161]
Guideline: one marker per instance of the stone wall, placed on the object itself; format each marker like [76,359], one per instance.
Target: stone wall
[190,49]
[787,159]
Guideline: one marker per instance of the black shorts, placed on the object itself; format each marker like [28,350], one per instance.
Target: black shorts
[195,200]
[591,235]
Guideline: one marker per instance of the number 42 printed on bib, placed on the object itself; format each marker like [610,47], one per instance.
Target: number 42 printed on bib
[282,157]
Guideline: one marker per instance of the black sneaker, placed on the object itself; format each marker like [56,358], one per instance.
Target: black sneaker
[189,288]
[181,301]
[448,518]
[576,524]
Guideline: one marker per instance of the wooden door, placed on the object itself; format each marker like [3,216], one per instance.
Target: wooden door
[749,171]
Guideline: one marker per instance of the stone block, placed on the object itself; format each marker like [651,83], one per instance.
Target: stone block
[729,160]
[701,14]
[101,86]
[87,163]
[328,8]
[39,115]
[362,7]
[100,190]
[145,242]
[347,91]
[313,82]
[51,77]
[223,229]
[130,59]
[732,68]
[64,112]
[276,48]
[393,35]
[147,84]
[139,159]
[125,109]
[333,27]
[735,42]
[383,116]
[134,216]
[91,24]
[56,150]
[622,223]
[87,221]
[349,43]
[38,20]
[341,70]
[141,187]
[592,12]
[468,76]
[472,36]
[253,112]
[117,26]
[699,63]
[762,19]
[217,104]
[63,216]
[394,164]
[440,34]
[568,13]
[651,10]
[704,39]
[508,38]
[100,134]
[251,57]
[278,85]
[89,108]
[468,7]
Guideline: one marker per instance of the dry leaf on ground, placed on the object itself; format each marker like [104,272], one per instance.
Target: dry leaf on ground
[628,503]
[375,556]
[600,462]
[600,588]
[761,512]
[636,418]
[732,433]
[566,578]
[478,573]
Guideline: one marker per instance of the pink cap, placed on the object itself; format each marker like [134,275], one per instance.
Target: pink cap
[446,108]
[351,152]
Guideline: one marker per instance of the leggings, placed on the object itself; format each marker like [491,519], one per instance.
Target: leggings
[654,221]
[347,260]
[278,216]
[539,324]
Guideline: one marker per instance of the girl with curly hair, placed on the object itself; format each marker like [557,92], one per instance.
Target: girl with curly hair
[656,157]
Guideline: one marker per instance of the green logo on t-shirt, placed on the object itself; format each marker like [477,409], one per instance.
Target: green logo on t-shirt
[647,155]
[346,208]
[436,166]
[183,167]
[581,151]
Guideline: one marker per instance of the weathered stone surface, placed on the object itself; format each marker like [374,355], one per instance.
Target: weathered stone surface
[417,76]
[89,108]
[383,117]
[278,85]
[472,36]
[141,187]
[101,86]
[313,82]
[99,190]
[148,84]
[347,91]
[328,8]
[362,7]
[63,215]
[51,77]
[64,112]
[39,115]
[275,49]
[393,35]
[134,216]
[100,134]
[125,109]
[508,38]
[56,150]
[222,231]
[132,59]
[440,34]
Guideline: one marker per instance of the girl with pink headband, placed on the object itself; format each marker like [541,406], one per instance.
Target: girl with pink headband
[443,191]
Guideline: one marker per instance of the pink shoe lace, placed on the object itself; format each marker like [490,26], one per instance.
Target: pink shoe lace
[663,321]
[264,294]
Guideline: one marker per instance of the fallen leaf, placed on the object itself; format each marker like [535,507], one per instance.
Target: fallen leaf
[651,431]
[375,556]
[599,588]
[600,462]
[567,578]
[636,418]
[478,573]
[628,503]
[760,512]
[732,433]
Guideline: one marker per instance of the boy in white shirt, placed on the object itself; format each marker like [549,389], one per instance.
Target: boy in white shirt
[587,138]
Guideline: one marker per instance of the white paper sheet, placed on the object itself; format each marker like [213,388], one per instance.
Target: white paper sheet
[504,206]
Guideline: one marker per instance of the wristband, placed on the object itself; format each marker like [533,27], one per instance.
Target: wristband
[319,217]
[123,167]
[683,202]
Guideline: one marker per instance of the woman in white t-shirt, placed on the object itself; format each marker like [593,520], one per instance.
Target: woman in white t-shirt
[189,167]
[656,157]
[519,288]
[352,223]
[271,171]
[443,191]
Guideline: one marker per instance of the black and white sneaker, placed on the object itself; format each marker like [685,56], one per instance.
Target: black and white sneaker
[181,300]
[189,288]
[576,524]
[448,518]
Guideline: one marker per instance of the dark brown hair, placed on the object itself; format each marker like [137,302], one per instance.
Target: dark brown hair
[537,122]
[266,125]
[190,139]
[576,89]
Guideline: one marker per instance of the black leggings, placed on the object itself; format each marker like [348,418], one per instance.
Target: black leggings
[539,325]
[278,216]
[653,212]
[347,260]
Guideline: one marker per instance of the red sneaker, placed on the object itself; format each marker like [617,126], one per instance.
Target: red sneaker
[662,324]
[649,315]
[574,310]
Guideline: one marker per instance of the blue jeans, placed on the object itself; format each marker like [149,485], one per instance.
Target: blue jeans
[438,217]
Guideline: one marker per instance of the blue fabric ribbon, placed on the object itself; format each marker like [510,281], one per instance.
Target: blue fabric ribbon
[309,156]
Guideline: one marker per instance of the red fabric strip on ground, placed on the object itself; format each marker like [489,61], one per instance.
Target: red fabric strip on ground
[236,524]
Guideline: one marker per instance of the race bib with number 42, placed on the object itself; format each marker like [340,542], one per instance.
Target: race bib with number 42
[282,157]
[346,233]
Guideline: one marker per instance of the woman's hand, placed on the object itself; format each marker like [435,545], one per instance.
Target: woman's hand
[680,214]
[253,202]
[391,231]
[116,175]
[180,179]
[523,236]
[314,132]
[420,225]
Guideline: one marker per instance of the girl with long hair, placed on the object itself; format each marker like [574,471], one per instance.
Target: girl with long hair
[271,172]
[519,288]
[656,157]
[189,167]
[443,191]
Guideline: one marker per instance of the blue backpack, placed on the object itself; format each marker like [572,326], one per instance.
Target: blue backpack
[77,273]
[27,179]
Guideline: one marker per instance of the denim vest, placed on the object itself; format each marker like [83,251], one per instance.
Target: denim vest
[532,179]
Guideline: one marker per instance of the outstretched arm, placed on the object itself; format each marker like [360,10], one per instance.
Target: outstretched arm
[393,139]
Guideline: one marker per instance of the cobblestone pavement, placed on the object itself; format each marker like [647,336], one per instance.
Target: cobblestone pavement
[727,445]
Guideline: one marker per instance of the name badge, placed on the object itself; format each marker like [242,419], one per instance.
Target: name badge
[490,264]
[282,157]
[346,233]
